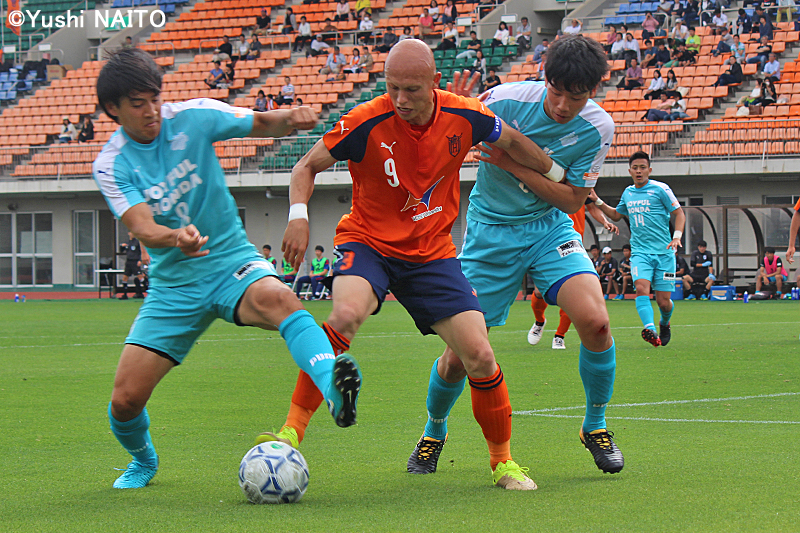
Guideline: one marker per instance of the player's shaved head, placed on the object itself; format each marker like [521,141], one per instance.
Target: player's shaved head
[410,55]
[411,78]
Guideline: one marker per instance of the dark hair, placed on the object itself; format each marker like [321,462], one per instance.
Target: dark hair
[657,72]
[267,246]
[769,250]
[593,247]
[626,246]
[576,64]
[127,71]
[319,248]
[638,155]
[702,243]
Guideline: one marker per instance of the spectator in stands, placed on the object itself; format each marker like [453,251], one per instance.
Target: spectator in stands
[449,38]
[632,50]
[450,12]
[678,110]
[718,22]
[329,32]
[261,101]
[608,272]
[540,76]
[733,75]
[473,45]
[254,49]
[367,61]
[365,28]
[361,6]
[388,40]
[738,50]
[671,90]
[223,52]
[633,77]
[242,49]
[755,96]
[425,24]
[351,64]
[492,80]
[769,94]
[318,46]
[743,23]
[524,34]
[690,13]
[661,110]
[298,102]
[770,270]
[725,43]
[765,28]
[287,94]
[656,87]
[406,34]
[618,48]
[479,64]
[678,35]
[68,132]
[681,57]
[693,41]
[785,7]
[128,42]
[433,10]
[664,10]
[227,77]
[611,38]
[574,28]
[335,62]
[262,23]
[649,54]
[662,54]
[772,68]
[500,36]
[289,21]
[701,262]
[304,35]
[215,76]
[762,53]
[87,130]
[343,12]
[649,25]
[538,52]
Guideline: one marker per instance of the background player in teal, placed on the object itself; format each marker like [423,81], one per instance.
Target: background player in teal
[648,205]
[519,215]
[159,174]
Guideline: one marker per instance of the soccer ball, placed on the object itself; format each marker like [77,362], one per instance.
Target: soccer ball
[273,472]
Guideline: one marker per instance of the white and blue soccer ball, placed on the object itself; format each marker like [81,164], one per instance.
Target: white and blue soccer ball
[273,472]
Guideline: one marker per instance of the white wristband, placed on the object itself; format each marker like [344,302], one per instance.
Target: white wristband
[298,211]
[599,202]
[677,235]
[556,173]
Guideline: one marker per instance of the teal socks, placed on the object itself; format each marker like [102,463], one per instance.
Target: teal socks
[597,371]
[442,397]
[310,348]
[645,310]
[666,316]
[134,435]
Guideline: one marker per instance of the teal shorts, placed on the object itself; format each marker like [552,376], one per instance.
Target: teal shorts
[496,257]
[172,318]
[659,270]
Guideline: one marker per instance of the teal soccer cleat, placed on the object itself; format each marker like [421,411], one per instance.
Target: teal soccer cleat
[136,476]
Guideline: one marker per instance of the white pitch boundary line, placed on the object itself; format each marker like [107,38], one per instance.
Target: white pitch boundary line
[676,419]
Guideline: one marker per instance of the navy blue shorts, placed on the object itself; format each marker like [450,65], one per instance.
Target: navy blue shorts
[429,291]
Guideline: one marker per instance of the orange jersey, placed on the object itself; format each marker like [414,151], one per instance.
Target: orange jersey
[406,189]
[797,206]
[579,220]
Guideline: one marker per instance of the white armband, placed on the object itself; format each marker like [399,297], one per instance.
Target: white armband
[599,202]
[298,211]
[556,173]
[677,235]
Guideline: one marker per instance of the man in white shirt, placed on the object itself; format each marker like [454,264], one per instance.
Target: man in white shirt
[365,27]
[575,28]
[318,46]
[719,21]
[524,34]
[303,34]
[772,69]
[679,34]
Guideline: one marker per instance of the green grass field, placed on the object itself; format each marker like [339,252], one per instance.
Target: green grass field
[707,426]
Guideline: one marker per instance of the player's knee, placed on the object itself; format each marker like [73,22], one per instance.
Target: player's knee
[346,317]
[126,405]
[479,360]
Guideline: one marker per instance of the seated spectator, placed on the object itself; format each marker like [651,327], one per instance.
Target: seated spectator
[261,102]
[289,22]
[388,40]
[343,12]
[491,80]
[361,6]
[664,11]
[681,57]
[87,130]
[624,273]
[298,102]
[449,38]
[762,53]
[649,25]
[538,52]
[754,98]
[255,48]
[744,24]
[406,34]
[500,36]
[425,24]
[656,87]
[335,62]
[319,270]
[772,68]
[678,35]
[479,64]
[262,23]
[633,77]
[770,270]
[540,76]
[128,44]
[433,10]
[725,43]
[701,262]
[769,94]
[618,48]
[664,109]
[608,272]
[351,64]
[68,132]
[227,77]
[681,268]
[693,41]
[329,32]
[738,50]
[785,7]
[691,13]
[241,50]
[524,34]
[678,110]
[574,28]
[318,46]
[473,45]
[718,22]
[648,54]
[215,76]
[765,28]
[287,93]
[365,28]
[304,35]
[223,52]
[662,54]
[733,75]
[366,62]
[632,50]
[611,38]
[271,102]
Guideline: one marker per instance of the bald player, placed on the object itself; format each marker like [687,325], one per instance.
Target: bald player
[404,151]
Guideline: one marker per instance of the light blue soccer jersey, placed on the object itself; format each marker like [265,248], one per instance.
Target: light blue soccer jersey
[179,176]
[648,210]
[580,147]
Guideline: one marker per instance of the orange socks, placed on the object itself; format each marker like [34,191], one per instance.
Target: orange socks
[306,398]
[538,305]
[563,324]
[492,410]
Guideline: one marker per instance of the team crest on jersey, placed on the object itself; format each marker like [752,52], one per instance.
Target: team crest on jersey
[178,142]
[454,144]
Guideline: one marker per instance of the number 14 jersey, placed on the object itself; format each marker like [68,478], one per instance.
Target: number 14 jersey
[648,209]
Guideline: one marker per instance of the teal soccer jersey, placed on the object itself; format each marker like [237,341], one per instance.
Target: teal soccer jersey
[179,177]
[648,210]
[579,146]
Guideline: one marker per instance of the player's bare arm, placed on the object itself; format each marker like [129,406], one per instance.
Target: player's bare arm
[793,237]
[295,238]
[680,222]
[607,210]
[563,195]
[282,122]
[598,215]
[139,219]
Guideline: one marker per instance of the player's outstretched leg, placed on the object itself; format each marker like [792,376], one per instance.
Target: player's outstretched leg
[441,398]
[347,382]
[134,435]
[645,310]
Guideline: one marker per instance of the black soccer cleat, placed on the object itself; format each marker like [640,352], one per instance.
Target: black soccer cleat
[664,333]
[346,380]
[606,455]
[650,336]
[425,456]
